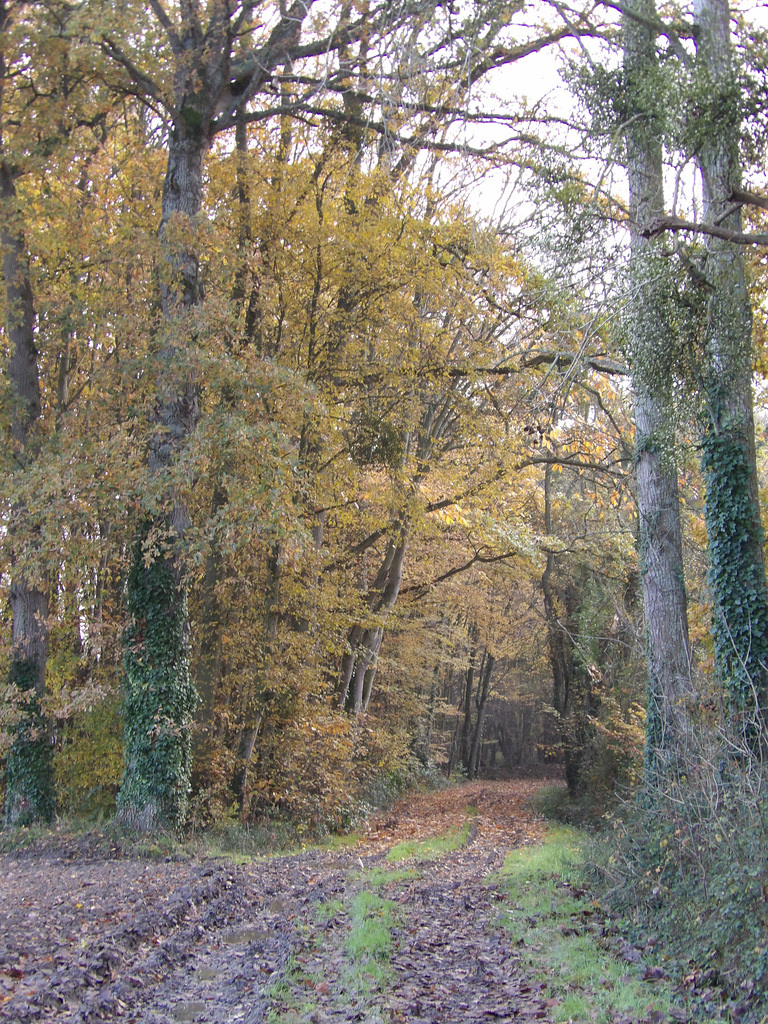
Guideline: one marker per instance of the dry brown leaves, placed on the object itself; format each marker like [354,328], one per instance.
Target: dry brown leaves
[89,936]
[504,815]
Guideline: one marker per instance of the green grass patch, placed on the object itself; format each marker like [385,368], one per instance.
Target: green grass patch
[327,911]
[557,929]
[372,919]
[368,947]
[291,995]
[432,848]
[385,876]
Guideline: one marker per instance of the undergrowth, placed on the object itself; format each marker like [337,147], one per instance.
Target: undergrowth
[682,863]
[555,803]
[687,870]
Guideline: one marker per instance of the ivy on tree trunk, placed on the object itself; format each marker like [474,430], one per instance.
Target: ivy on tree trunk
[29,769]
[30,794]
[732,512]
[652,349]
[161,699]
[160,696]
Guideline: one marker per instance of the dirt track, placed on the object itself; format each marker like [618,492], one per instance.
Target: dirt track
[90,937]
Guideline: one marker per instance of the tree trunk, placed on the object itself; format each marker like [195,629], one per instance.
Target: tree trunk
[161,698]
[734,530]
[571,692]
[652,356]
[358,666]
[245,749]
[481,700]
[29,769]
[254,711]
[466,704]
[426,726]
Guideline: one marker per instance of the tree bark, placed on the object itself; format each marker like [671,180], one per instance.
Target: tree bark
[734,530]
[160,698]
[358,667]
[572,696]
[464,737]
[652,358]
[29,603]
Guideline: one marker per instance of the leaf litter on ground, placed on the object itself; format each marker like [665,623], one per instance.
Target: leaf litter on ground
[91,936]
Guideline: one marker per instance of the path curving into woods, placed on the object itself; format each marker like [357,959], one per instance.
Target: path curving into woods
[89,936]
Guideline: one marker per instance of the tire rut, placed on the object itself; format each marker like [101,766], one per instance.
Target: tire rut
[213,943]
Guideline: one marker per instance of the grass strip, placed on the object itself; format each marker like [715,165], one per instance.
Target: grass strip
[432,848]
[385,876]
[560,932]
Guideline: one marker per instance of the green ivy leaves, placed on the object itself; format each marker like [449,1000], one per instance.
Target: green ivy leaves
[160,697]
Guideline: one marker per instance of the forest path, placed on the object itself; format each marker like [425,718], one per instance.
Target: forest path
[410,937]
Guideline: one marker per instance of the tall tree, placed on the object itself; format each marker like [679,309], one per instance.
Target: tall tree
[652,353]
[734,530]
[204,95]
[29,770]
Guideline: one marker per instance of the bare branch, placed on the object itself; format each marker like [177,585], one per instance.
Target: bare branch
[162,16]
[144,82]
[661,224]
[673,34]
[358,549]
[739,195]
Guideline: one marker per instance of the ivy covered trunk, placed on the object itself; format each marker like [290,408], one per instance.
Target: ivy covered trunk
[160,697]
[29,767]
[205,97]
[734,530]
[652,353]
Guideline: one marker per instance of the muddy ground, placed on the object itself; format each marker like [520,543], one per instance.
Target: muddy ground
[88,935]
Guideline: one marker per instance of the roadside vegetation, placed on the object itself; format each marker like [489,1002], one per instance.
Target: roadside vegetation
[590,972]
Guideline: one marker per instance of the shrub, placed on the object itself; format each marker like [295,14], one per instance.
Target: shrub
[687,867]
[89,763]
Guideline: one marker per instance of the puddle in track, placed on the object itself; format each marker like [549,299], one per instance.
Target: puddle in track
[185,1012]
[238,936]
[207,973]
